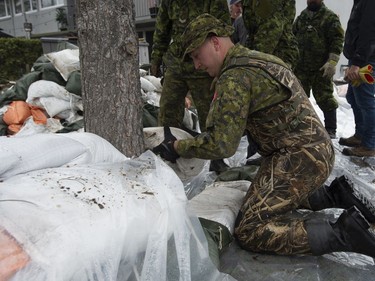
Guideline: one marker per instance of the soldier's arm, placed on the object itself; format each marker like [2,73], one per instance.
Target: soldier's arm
[162,34]
[219,9]
[335,34]
[226,122]
[269,32]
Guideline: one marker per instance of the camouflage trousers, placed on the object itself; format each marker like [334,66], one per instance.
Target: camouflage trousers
[283,183]
[172,102]
[322,89]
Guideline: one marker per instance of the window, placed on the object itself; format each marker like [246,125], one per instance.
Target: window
[28,5]
[4,8]
[50,3]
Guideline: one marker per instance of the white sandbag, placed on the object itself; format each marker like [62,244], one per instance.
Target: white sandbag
[53,98]
[155,81]
[185,168]
[152,98]
[146,85]
[98,150]
[220,202]
[29,127]
[142,72]
[106,222]
[39,151]
[65,61]
[9,159]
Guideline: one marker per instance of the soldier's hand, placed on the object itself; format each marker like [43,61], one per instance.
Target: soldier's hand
[329,69]
[166,148]
[155,70]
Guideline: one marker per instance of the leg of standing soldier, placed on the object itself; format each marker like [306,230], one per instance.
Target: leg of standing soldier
[202,94]
[304,79]
[172,100]
[322,89]
[281,185]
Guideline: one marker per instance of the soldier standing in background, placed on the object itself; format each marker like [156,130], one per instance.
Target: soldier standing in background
[269,25]
[181,77]
[320,40]
[258,92]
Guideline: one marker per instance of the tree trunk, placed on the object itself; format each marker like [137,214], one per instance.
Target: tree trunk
[110,73]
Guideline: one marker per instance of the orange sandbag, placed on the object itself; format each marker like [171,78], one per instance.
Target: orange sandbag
[38,114]
[14,128]
[12,256]
[17,112]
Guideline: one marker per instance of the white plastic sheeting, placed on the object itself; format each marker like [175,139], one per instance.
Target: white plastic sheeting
[118,221]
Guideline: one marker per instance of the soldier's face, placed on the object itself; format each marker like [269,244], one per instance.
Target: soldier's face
[314,5]
[206,57]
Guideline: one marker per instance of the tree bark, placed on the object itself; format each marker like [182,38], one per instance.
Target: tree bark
[110,73]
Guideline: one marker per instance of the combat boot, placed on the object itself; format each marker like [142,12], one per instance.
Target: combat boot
[341,194]
[330,122]
[351,141]
[359,151]
[350,233]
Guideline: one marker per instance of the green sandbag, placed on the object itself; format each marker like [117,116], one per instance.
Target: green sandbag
[247,172]
[218,237]
[19,91]
[150,115]
[73,85]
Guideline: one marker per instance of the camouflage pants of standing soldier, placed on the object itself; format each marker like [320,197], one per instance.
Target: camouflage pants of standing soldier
[322,89]
[172,102]
[283,183]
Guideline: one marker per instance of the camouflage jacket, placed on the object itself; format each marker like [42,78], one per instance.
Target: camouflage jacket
[318,34]
[173,17]
[248,96]
[269,24]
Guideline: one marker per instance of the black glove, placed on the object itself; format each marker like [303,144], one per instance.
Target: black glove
[166,149]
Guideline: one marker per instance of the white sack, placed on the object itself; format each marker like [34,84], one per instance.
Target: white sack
[65,61]
[220,202]
[98,150]
[146,85]
[53,98]
[155,81]
[39,151]
[185,168]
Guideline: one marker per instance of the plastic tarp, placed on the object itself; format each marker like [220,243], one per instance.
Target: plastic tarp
[111,221]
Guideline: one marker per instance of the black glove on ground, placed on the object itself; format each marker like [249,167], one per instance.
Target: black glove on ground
[166,149]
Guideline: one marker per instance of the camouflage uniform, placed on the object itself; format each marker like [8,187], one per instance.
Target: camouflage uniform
[258,93]
[318,34]
[180,77]
[269,24]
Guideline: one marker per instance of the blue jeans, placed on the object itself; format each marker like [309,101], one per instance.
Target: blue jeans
[362,101]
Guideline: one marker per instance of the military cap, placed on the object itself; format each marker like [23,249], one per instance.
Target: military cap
[232,2]
[199,28]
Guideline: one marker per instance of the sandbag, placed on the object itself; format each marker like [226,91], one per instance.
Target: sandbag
[185,168]
[17,113]
[65,61]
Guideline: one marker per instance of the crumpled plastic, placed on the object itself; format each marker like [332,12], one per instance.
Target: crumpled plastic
[105,221]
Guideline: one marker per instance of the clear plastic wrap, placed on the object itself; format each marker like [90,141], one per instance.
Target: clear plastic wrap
[120,221]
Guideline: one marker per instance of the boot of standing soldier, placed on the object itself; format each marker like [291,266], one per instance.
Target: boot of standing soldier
[350,233]
[330,121]
[341,194]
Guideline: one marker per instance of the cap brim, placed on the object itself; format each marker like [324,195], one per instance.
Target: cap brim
[194,45]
